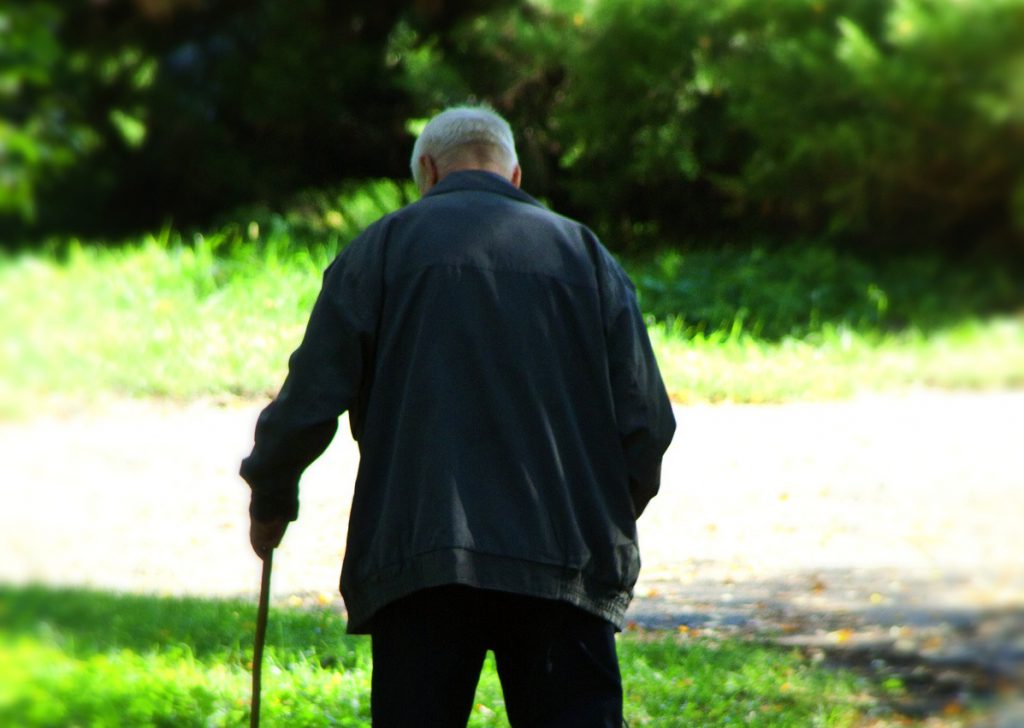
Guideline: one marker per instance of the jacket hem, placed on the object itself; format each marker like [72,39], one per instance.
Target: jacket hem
[365,597]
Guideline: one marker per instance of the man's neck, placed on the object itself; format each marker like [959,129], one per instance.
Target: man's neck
[474,167]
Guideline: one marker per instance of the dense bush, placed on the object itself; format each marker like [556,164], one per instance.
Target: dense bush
[887,124]
[799,292]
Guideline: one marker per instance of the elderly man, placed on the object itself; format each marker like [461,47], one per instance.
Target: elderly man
[511,422]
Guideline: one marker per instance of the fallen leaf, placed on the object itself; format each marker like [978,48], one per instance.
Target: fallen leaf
[953,708]
[842,635]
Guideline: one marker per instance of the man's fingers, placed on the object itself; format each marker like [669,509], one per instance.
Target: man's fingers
[266,536]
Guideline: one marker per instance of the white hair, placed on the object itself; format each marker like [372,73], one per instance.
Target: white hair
[454,129]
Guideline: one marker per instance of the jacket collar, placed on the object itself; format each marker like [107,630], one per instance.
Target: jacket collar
[481,181]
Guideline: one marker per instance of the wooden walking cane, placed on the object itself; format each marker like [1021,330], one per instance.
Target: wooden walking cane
[261,633]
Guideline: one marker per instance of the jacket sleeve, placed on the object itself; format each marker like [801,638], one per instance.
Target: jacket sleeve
[643,411]
[324,378]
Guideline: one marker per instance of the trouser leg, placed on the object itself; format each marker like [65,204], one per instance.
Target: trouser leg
[427,657]
[558,667]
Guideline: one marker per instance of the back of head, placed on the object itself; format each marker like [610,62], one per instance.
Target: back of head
[465,137]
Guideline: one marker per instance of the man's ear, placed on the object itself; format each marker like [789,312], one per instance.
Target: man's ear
[429,169]
[517,176]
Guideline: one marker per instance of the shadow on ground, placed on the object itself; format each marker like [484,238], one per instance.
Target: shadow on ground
[942,642]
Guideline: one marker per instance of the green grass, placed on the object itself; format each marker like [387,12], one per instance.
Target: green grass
[87,658]
[838,362]
[219,315]
[156,319]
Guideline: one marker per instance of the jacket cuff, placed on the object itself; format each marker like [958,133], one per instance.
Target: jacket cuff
[271,506]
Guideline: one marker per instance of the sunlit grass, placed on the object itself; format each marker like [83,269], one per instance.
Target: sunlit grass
[219,315]
[839,362]
[72,657]
[153,320]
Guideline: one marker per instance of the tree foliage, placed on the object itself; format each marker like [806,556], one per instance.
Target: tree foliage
[37,137]
[888,124]
[180,108]
[880,124]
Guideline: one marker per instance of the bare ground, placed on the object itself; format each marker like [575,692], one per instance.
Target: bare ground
[885,532]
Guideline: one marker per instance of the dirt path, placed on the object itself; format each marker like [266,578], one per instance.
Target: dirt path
[888,522]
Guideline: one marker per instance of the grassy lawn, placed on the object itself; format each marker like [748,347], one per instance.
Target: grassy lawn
[975,354]
[219,317]
[75,657]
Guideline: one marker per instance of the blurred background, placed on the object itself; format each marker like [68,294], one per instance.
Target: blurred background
[882,126]
[821,203]
[846,176]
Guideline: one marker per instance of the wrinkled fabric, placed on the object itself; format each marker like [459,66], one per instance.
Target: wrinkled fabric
[509,411]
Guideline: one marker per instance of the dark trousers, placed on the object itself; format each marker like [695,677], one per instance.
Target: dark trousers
[557,664]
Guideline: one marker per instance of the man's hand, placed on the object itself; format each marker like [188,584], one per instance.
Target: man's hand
[265,536]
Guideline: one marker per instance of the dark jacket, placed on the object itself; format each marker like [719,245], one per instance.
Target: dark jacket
[510,414]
